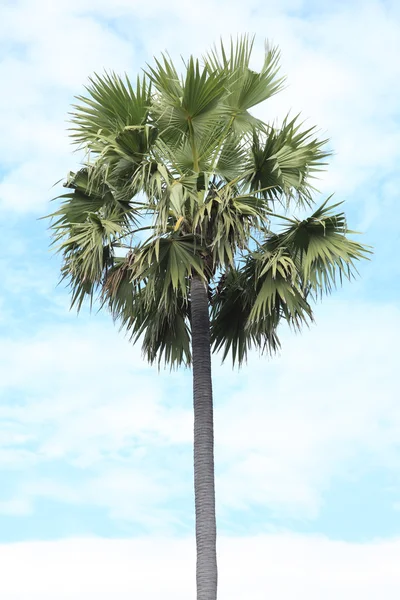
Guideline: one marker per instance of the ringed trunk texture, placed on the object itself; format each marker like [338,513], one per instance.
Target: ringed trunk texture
[204,487]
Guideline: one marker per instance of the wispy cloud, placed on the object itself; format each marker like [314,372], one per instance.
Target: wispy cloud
[285,428]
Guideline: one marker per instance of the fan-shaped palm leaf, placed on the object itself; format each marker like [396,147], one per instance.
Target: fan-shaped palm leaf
[164,331]
[246,88]
[283,162]
[232,332]
[111,105]
[322,246]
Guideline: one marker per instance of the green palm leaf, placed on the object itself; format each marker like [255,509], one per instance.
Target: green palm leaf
[283,161]
[163,331]
[190,106]
[322,246]
[111,105]
[232,331]
[246,88]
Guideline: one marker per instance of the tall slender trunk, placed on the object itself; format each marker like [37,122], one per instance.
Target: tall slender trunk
[204,489]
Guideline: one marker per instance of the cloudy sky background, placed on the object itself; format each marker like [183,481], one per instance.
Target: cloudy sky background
[95,446]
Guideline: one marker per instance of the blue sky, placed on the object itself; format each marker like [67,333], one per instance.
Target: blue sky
[95,445]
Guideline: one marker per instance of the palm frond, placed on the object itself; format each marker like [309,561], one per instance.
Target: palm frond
[278,287]
[167,263]
[87,251]
[111,105]
[90,195]
[166,336]
[189,106]
[231,163]
[225,221]
[283,162]
[139,307]
[232,332]
[323,248]
[246,88]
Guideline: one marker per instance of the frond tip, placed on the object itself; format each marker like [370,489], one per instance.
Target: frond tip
[322,248]
[283,161]
[232,329]
[142,311]
[111,105]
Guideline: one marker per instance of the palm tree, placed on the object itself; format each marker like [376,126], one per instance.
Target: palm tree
[173,224]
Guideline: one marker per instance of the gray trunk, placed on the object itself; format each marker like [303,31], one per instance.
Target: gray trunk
[204,491]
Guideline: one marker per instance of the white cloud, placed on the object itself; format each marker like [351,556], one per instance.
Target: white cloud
[16,507]
[50,54]
[327,409]
[279,566]
[286,429]
[341,66]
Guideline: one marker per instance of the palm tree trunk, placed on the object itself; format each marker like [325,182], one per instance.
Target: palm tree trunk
[204,490]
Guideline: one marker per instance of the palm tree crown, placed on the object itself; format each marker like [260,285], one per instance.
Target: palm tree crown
[181,157]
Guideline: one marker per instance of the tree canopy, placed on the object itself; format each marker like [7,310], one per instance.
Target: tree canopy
[180,179]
